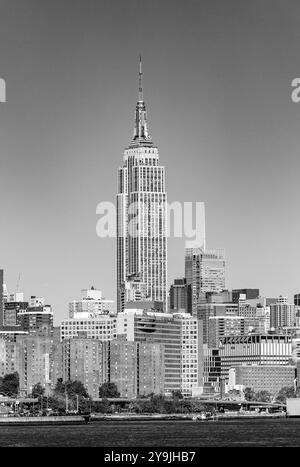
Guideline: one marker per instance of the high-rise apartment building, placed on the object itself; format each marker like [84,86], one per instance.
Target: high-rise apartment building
[282,314]
[37,319]
[141,212]
[179,295]
[57,369]
[150,364]
[297,308]
[297,299]
[204,272]
[123,367]
[11,312]
[137,369]
[191,354]
[8,357]
[85,360]
[211,368]
[8,314]
[161,328]
[34,359]
[210,309]
[180,334]
[256,314]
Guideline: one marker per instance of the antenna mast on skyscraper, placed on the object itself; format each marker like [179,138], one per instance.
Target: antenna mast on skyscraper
[141,81]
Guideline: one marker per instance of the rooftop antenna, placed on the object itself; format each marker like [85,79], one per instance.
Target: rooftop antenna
[141,81]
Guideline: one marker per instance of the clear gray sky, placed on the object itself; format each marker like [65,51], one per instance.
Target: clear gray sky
[217,78]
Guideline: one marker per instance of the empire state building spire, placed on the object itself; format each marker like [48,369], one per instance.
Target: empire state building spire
[141,136]
[141,99]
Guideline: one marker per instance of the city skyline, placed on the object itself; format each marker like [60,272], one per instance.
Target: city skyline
[61,139]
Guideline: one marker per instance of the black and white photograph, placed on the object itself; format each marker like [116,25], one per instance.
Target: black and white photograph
[150,225]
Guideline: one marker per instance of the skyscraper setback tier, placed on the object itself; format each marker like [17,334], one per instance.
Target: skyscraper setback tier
[141,213]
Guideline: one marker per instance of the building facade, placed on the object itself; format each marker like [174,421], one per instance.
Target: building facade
[150,366]
[256,314]
[137,369]
[160,328]
[11,311]
[191,352]
[207,310]
[297,299]
[254,349]
[123,367]
[36,319]
[282,314]
[269,378]
[102,327]
[92,304]
[181,337]
[179,296]
[221,326]
[8,357]
[132,290]
[211,368]
[85,360]
[248,293]
[34,358]
[204,272]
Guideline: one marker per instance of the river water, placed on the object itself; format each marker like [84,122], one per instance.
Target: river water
[276,432]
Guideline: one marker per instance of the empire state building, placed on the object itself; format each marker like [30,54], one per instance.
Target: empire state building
[141,214]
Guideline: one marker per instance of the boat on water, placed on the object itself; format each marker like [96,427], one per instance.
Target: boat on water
[45,420]
[203,416]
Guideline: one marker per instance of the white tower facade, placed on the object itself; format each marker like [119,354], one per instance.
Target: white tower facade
[142,212]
